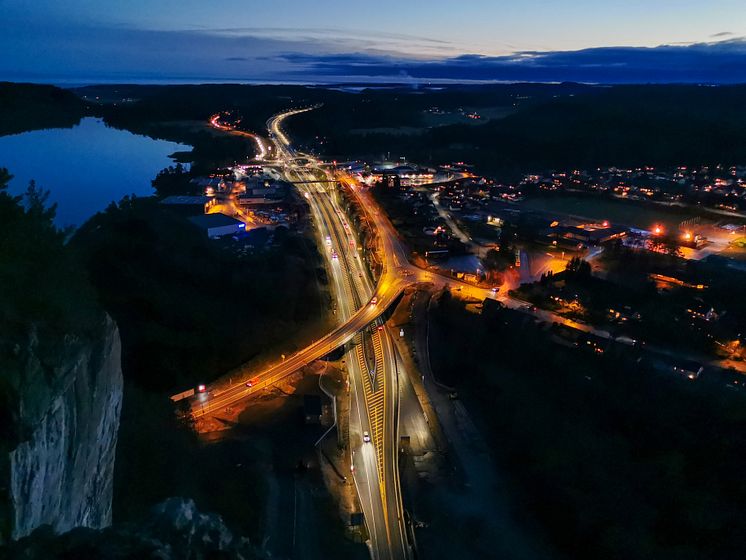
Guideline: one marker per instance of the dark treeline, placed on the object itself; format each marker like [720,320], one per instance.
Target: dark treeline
[26,107]
[178,113]
[188,308]
[548,126]
[44,296]
[586,127]
[614,460]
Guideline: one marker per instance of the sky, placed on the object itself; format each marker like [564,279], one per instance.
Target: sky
[332,41]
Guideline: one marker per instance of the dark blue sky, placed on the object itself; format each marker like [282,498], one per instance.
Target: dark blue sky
[341,40]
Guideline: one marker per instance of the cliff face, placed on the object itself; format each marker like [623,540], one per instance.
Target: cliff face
[65,399]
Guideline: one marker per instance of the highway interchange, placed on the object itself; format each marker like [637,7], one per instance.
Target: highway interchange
[374,384]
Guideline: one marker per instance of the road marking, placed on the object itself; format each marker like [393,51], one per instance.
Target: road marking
[374,390]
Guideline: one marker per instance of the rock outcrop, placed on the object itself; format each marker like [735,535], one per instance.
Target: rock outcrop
[62,395]
[174,530]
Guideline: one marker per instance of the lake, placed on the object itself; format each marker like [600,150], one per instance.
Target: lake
[85,167]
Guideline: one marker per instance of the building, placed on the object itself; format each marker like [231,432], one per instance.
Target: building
[583,235]
[391,181]
[218,225]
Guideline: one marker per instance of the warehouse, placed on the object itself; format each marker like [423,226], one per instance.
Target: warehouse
[218,225]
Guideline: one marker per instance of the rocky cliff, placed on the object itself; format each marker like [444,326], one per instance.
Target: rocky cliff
[174,530]
[61,395]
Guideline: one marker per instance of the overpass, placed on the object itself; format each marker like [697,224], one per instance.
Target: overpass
[389,289]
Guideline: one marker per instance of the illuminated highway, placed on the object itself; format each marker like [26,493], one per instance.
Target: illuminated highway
[374,388]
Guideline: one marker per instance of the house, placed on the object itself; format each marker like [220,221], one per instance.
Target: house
[218,225]
[570,236]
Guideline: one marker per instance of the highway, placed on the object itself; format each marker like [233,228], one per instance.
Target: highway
[373,382]
[374,389]
[349,276]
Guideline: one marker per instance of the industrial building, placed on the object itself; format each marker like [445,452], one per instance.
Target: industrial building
[218,225]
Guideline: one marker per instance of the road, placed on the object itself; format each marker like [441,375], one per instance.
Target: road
[353,288]
[455,229]
[373,389]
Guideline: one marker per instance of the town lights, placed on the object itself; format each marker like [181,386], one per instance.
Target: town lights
[687,236]
[658,230]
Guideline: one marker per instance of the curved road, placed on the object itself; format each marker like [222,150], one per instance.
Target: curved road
[375,397]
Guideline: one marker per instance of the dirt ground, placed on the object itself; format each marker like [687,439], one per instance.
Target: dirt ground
[460,505]
[300,517]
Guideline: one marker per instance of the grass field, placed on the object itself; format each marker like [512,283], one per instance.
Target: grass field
[629,213]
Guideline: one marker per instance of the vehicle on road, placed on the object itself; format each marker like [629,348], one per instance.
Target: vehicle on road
[374,300]
[366,437]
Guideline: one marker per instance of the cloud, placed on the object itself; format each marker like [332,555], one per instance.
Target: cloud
[722,34]
[717,62]
[46,53]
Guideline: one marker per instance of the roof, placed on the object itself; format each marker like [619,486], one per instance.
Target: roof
[207,221]
[205,181]
[184,199]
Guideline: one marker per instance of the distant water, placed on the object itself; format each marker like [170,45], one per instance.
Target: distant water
[85,167]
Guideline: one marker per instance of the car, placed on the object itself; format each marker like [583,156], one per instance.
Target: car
[328,240]
[334,255]
[249,383]
[374,300]
[201,388]
[495,289]
[366,437]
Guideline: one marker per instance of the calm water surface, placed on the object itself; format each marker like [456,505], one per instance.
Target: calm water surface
[85,167]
